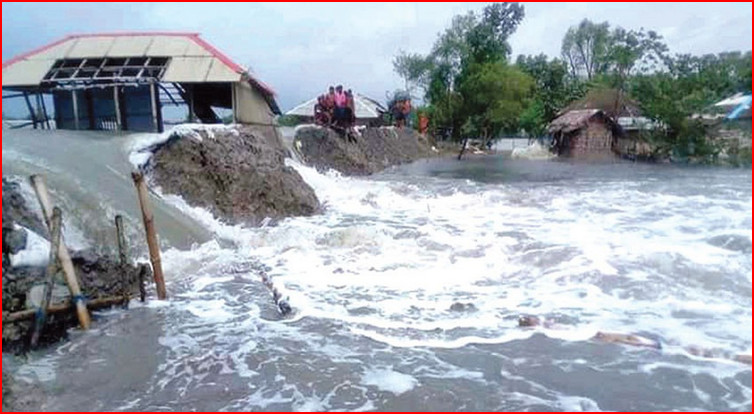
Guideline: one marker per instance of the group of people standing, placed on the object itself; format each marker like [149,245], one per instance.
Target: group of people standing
[401,111]
[336,108]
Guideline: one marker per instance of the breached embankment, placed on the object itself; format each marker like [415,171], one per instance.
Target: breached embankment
[373,149]
[237,173]
[25,252]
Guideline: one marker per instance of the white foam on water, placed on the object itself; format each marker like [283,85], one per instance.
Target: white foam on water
[388,380]
[352,263]
[534,151]
[140,146]
[387,261]
[36,253]
[574,404]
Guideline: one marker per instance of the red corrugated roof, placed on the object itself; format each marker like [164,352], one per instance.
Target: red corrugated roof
[193,36]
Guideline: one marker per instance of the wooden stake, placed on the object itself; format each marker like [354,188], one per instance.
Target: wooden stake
[63,307]
[463,148]
[122,254]
[142,283]
[52,269]
[154,247]
[37,181]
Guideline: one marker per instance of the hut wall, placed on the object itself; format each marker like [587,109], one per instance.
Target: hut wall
[595,138]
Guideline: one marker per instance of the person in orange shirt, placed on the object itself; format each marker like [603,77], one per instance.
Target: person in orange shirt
[329,103]
[321,112]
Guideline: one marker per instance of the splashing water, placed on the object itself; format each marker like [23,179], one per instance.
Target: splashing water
[407,289]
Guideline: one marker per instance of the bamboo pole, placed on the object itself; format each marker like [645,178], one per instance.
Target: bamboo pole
[62,307]
[52,268]
[282,303]
[154,247]
[122,254]
[37,181]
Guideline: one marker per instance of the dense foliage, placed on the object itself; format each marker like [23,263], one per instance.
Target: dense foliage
[472,89]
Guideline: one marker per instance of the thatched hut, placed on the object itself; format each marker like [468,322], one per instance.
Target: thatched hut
[583,133]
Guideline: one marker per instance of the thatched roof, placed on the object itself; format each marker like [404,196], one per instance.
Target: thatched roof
[574,120]
[608,101]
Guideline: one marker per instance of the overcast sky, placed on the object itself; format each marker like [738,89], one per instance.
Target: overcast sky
[300,49]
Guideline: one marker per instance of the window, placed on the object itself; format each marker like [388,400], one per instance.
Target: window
[99,70]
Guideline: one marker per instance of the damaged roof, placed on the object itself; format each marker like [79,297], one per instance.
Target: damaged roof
[574,120]
[609,100]
[192,60]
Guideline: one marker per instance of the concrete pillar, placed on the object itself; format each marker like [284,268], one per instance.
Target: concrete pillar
[192,116]
[154,97]
[116,100]
[75,100]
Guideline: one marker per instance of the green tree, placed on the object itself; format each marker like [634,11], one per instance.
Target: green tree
[413,68]
[488,39]
[688,86]
[533,119]
[554,88]
[463,49]
[495,95]
[585,48]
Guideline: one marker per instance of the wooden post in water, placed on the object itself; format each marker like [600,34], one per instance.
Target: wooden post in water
[37,181]
[52,269]
[122,255]
[142,283]
[463,147]
[154,247]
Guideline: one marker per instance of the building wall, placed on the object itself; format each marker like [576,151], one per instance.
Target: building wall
[594,139]
[738,132]
[251,107]
[64,114]
[96,109]
[137,109]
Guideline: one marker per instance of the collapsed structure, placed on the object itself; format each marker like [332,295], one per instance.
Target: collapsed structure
[122,81]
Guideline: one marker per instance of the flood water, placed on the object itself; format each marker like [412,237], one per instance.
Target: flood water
[407,290]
